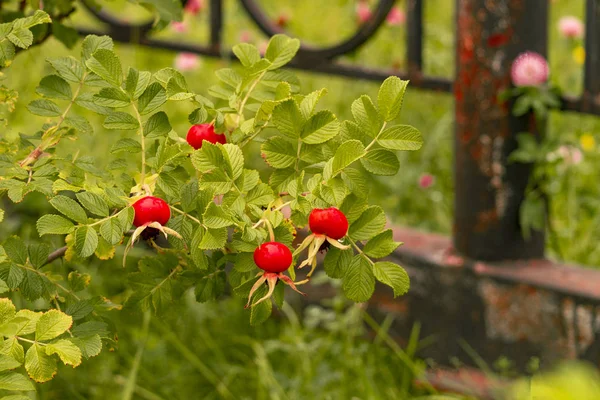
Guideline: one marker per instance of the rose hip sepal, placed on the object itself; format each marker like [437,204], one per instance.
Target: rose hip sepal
[150,213]
[201,132]
[328,226]
[273,258]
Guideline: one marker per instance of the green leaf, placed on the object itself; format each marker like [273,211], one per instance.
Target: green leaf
[247,54]
[7,362]
[197,255]
[105,63]
[261,195]
[12,274]
[336,262]
[234,160]
[86,100]
[137,82]
[381,162]
[280,50]
[52,224]
[366,115]
[68,353]
[79,123]
[369,224]
[13,348]
[213,239]
[381,245]
[392,275]
[120,120]
[215,217]
[288,119]
[259,313]
[210,287]
[126,144]
[44,108]
[94,203]
[359,282]
[111,97]
[279,152]
[38,254]
[168,10]
[157,126]
[320,128]
[78,281]
[90,346]
[21,37]
[68,68]
[39,366]
[65,34]
[308,104]
[70,208]
[7,310]
[16,250]
[51,324]
[15,381]
[389,99]
[54,87]
[401,137]
[86,241]
[198,116]
[346,154]
[153,97]
[112,231]
[334,191]
[38,17]
[7,53]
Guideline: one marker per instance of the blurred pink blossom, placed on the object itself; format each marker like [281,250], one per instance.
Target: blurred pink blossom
[179,27]
[571,155]
[363,11]
[245,36]
[426,180]
[529,69]
[396,16]
[187,61]
[194,6]
[262,47]
[571,27]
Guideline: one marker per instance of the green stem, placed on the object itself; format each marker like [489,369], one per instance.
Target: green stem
[142,142]
[376,137]
[245,99]
[131,380]
[283,205]
[177,210]
[248,140]
[360,251]
[30,341]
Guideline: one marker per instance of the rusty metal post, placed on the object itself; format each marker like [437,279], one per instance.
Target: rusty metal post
[489,190]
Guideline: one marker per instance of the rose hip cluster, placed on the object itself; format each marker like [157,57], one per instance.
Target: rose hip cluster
[327,225]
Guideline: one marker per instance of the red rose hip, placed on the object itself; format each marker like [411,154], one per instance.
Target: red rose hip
[201,132]
[273,257]
[151,209]
[330,222]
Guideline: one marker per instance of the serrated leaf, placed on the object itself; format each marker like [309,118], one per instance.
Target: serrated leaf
[381,162]
[94,203]
[259,313]
[15,381]
[210,287]
[111,97]
[320,128]
[52,224]
[401,137]
[392,275]
[68,353]
[91,43]
[358,281]
[198,116]
[215,217]
[51,324]
[308,104]
[247,54]
[38,254]
[86,241]
[70,208]
[120,120]
[16,250]
[261,195]
[21,37]
[336,262]
[112,231]
[288,119]
[13,348]
[137,82]
[153,97]
[381,245]
[7,53]
[105,63]
[366,115]
[390,96]
[280,50]
[7,310]
[213,239]
[346,154]
[8,362]
[39,366]
[86,100]
[79,123]
[234,160]
[126,144]
[279,152]
[12,274]
[197,254]
[38,17]
[68,68]
[157,126]
[54,87]
[90,346]
[369,224]
[44,108]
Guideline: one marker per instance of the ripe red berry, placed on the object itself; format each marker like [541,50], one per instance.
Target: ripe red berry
[200,132]
[330,222]
[151,209]
[273,257]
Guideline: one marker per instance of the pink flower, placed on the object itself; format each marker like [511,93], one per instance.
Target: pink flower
[571,27]
[396,17]
[179,27]
[262,47]
[186,61]
[245,37]
[426,180]
[529,69]
[363,12]
[194,6]
[571,155]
